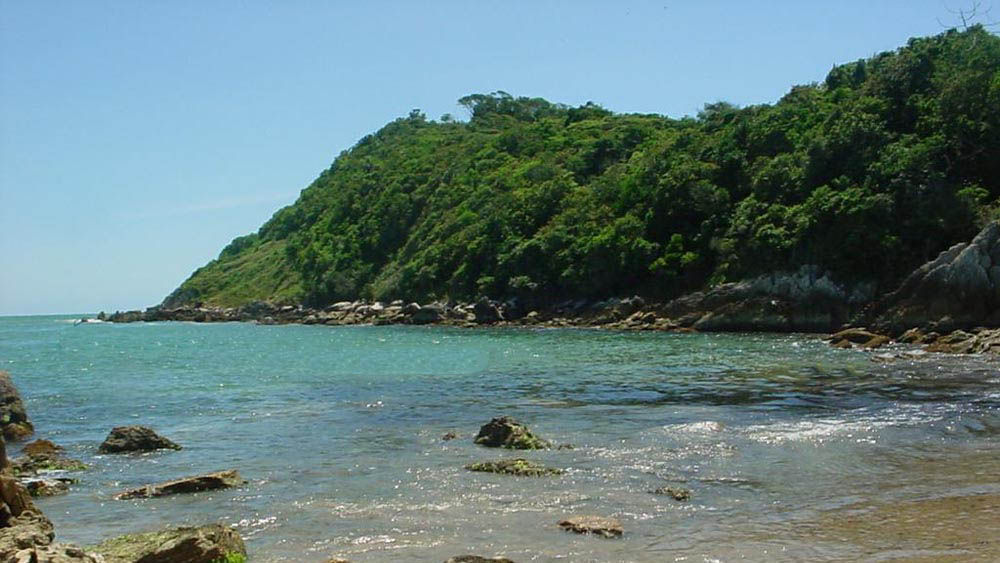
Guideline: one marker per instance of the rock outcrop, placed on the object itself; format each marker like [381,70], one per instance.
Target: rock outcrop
[134,439]
[13,418]
[519,467]
[506,432]
[597,525]
[26,535]
[960,289]
[205,544]
[804,301]
[43,456]
[194,484]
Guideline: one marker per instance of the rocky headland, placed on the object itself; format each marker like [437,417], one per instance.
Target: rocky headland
[957,294]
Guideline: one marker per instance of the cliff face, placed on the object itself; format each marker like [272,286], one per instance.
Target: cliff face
[960,289]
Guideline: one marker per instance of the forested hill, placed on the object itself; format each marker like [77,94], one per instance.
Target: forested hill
[867,175]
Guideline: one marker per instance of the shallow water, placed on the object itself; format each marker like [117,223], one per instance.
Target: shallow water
[338,431]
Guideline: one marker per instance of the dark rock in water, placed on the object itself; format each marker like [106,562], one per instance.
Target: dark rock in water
[194,484]
[13,418]
[858,336]
[508,433]
[449,436]
[960,289]
[597,525]
[477,559]
[677,494]
[26,534]
[520,467]
[134,439]
[205,544]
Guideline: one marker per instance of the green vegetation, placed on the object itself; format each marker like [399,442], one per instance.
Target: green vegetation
[520,467]
[867,174]
[232,558]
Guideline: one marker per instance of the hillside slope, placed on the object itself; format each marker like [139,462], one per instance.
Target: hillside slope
[866,176]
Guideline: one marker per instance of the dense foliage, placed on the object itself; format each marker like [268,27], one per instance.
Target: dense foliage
[868,174]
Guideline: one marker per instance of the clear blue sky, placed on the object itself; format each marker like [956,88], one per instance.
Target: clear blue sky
[138,138]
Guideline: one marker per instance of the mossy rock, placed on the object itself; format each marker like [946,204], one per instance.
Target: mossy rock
[506,432]
[214,543]
[520,467]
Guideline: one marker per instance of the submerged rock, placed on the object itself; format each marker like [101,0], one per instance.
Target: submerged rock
[675,493]
[597,525]
[449,436]
[506,432]
[213,543]
[520,467]
[194,484]
[477,559]
[13,417]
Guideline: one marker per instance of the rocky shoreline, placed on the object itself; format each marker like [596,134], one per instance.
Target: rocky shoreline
[955,294]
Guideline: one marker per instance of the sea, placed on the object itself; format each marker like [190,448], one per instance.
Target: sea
[780,438]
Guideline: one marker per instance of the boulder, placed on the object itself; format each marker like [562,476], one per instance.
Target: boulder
[427,314]
[213,543]
[520,467]
[597,525]
[477,559]
[194,484]
[506,432]
[134,439]
[13,418]
[486,312]
[960,289]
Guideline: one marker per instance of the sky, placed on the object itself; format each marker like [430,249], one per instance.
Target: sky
[138,138]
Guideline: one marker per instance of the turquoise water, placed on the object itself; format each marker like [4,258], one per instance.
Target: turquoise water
[338,431]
